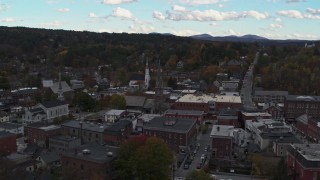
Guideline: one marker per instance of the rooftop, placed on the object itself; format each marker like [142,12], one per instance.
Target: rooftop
[228,99]
[5,134]
[310,152]
[50,104]
[184,112]
[115,112]
[94,153]
[196,98]
[222,131]
[135,101]
[262,114]
[9,126]
[148,117]
[303,98]
[169,124]
[50,127]
[270,93]
[63,138]
[86,125]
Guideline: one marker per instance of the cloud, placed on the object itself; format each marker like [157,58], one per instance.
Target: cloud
[295,1]
[3,7]
[122,13]
[178,8]
[276,26]
[199,2]
[255,14]
[114,2]
[291,14]
[158,15]
[92,15]
[297,14]
[63,10]
[277,20]
[8,19]
[141,28]
[313,11]
[213,15]
[220,5]
[213,24]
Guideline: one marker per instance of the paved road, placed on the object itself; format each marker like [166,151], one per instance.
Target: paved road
[246,90]
[203,140]
[235,177]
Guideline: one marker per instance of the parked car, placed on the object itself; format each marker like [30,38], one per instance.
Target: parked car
[199,165]
[186,166]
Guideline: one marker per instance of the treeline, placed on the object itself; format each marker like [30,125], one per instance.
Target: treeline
[292,68]
[88,49]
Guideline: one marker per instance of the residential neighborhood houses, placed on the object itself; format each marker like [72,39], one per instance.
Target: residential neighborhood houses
[204,130]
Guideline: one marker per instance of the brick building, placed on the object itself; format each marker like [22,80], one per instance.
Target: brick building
[39,133]
[314,129]
[295,106]
[225,102]
[198,115]
[88,132]
[178,133]
[61,143]
[118,132]
[194,102]
[90,161]
[303,161]
[8,143]
[222,141]
[261,96]
[228,117]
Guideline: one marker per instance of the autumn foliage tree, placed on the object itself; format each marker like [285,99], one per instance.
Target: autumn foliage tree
[143,159]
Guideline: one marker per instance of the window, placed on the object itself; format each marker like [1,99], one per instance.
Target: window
[81,166]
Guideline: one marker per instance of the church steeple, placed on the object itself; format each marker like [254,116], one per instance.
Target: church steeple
[60,91]
[147,76]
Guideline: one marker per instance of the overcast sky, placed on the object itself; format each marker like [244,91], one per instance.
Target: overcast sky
[276,19]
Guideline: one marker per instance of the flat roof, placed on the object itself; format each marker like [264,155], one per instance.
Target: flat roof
[270,93]
[184,112]
[222,131]
[115,112]
[50,127]
[98,153]
[181,125]
[303,98]
[228,99]
[310,152]
[265,114]
[86,125]
[64,138]
[196,98]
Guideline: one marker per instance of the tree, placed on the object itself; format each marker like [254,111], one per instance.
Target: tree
[118,102]
[4,83]
[172,83]
[143,158]
[281,171]
[198,175]
[84,101]
[153,160]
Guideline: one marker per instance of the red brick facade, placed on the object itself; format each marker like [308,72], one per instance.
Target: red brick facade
[313,129]
[8,143]
[297,171]
[191,106]
[40,136]
[225,105]
[86,169]
[198,118]
[222,147]
[174,140]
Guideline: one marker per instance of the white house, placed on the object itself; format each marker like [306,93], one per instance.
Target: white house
[4,116]
[112,115]
[46,111]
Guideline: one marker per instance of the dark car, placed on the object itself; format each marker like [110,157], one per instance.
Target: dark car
[199,165]
[186,166]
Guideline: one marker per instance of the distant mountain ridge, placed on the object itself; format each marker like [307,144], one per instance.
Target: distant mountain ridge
[245,38]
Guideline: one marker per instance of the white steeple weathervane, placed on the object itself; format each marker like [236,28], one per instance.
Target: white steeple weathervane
[60,91]
[147,75]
